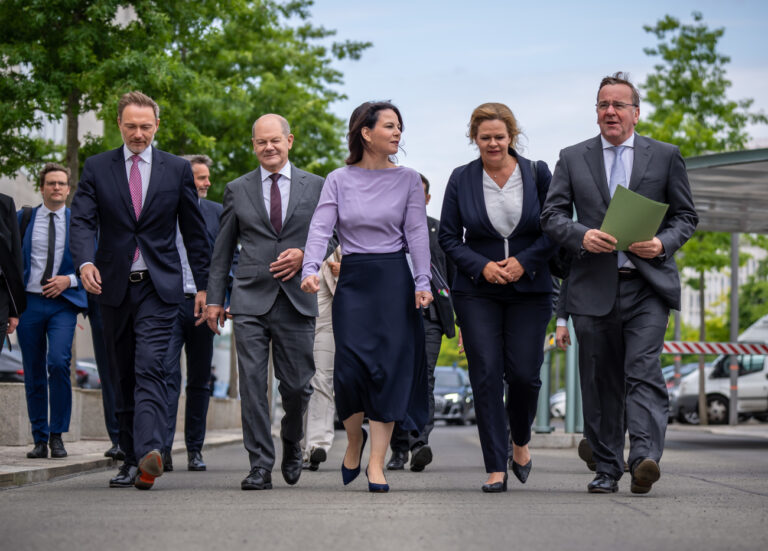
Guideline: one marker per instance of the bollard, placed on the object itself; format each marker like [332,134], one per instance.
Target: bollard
[543,415]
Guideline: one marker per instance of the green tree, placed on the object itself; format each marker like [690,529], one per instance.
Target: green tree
[212,65]
[690,108]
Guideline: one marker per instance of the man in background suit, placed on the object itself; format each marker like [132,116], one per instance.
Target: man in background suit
[13,299]
[47,327]
[132,197]
[268,210]
[196,339]
[438,321]
[620,301]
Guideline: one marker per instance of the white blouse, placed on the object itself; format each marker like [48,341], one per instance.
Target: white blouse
[504,205]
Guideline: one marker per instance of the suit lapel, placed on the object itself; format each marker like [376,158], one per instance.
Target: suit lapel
[530,193]
[155,177]
[298,186]
[594,159]
[640,164]
[255,192]
[121,181]
[478,197]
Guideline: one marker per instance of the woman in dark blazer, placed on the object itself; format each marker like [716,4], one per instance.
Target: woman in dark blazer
[502,289]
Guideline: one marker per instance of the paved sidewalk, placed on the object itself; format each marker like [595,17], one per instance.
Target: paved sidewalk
[83,456]
[88,455]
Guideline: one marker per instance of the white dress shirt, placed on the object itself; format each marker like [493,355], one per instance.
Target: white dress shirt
[145,169]
[39,250]
[504,204]
[284,184]
[628,158]
[186,271]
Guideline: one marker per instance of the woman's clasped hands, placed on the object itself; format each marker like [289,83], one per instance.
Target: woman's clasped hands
[504,271]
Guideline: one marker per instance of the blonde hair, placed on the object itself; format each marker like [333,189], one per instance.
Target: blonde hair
[494,112]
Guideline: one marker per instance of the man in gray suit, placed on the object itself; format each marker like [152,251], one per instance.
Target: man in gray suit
[620,300]
[268,210]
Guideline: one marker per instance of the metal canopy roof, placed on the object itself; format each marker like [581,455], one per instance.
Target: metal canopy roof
[730,190]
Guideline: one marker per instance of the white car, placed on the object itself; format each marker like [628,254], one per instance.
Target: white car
[752,391]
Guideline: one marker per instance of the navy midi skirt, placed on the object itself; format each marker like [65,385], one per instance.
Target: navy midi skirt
[380,365]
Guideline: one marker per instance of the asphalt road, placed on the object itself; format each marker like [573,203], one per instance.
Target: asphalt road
[713,494]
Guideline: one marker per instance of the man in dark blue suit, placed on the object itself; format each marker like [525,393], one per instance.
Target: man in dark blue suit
[196,339]
[133,198]
[54,297]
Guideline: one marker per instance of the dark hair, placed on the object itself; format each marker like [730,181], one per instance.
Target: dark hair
[620,78]
[494,112]
[425,182]
[365,116]
[53,167]
[137,98]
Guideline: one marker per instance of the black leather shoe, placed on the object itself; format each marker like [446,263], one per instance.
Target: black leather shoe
[195,461]
[115,452]
[257,479]
[522,471]
[57,446]
[585,453]
[397,461]
[150,467]
[40,451]
[125,478]
[421,456]
[317,456]
[167,461]
[496,487]
[645,471]
[290,466]
[603,484]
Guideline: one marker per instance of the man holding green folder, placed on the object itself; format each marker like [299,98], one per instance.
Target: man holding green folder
[620,299]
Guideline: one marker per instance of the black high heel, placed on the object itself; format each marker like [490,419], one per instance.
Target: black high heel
[496,487]
[522,471]
[348,475]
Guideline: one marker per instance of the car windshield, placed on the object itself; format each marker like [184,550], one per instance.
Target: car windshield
[447,378]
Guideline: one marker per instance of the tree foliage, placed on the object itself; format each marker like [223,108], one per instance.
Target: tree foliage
[212,65]
[690,108]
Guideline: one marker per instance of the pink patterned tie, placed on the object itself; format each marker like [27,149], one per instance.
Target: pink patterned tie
[134,184]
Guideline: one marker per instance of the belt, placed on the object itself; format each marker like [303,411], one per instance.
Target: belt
[189,295]
[138,277]
[628,273]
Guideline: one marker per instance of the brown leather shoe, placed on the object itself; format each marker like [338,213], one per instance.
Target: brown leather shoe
[645,471]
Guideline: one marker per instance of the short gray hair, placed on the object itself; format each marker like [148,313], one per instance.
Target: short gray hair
[283,123]
[198,160]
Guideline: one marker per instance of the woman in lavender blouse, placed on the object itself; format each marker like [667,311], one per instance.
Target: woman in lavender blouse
[378,211]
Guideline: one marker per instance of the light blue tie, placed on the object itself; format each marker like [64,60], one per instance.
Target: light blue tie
[618,178]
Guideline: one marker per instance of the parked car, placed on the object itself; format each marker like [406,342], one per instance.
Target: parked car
[87,374]
[454,402]
[669,372]
[752,391]
[11,368]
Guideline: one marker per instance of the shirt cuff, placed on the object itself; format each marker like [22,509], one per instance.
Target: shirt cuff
[72,280]
[85,264]
[561,322]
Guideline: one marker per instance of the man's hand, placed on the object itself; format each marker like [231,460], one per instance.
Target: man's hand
[200,308]
[423,299]
[494,273]
[596,241]
[310,284]
[12,323]
[461,343]
[56,285]
[91,278]
[647,249]
[335,268]
[216,317]
[287,264]
[562,337]
[512,267]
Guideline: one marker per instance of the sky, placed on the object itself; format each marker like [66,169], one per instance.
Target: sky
[438,60]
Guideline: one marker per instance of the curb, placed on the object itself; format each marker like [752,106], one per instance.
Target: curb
[91,463]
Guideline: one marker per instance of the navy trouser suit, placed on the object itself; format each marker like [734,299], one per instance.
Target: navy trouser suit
[502,325]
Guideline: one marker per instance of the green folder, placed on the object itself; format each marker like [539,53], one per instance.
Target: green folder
[631,218]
